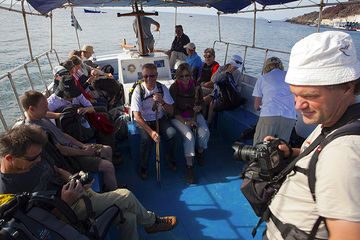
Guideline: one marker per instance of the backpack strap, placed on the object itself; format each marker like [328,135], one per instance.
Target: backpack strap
[142,91]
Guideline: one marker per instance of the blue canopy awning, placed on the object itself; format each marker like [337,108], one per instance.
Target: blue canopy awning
[225,6]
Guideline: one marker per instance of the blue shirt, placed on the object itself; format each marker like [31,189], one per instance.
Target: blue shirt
[195,62]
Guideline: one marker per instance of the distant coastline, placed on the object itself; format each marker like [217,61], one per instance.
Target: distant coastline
[340,16]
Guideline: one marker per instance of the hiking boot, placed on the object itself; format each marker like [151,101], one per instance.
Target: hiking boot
[190,176]
[162,224]
[172,165]
[143,173]
[200,159]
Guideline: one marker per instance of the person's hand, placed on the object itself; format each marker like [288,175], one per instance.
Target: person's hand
[230,68]
[82,111]
[89,151]
[155,136]
[72,191]
[283,147]
[190,123]
[197,108]
[86,186]
[157,97]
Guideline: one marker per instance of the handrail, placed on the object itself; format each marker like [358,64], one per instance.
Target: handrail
[29,76]
[246,47]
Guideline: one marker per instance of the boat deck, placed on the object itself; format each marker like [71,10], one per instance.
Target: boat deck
[214,208]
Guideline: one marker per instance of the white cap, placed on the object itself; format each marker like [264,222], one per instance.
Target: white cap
[190,46]
[59,70]
[326,58]
[236,61]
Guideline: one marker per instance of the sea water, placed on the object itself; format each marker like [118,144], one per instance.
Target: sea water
[106,31]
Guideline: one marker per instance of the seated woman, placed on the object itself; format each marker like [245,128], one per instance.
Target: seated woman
[187,111]
[208,69]
[227,88]
[275,102]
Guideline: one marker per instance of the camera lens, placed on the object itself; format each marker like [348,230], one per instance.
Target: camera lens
[243,152]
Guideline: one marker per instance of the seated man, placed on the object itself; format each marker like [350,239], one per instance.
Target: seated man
[177,51]
[86,54]
[88,157]
[146,23]
[193,60]
[208,69]
[24,170]
[146,97]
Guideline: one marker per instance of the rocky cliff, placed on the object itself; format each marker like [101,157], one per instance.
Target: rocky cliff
[340,12]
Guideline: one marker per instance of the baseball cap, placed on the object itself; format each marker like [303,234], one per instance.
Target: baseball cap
[236,61]
[326,58]
[190,46]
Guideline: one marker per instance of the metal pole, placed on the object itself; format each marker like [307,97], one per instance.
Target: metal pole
[28,76]
[3,121]
[175,20]
[26,29]
[42,77]
[320,14]
[254,28]
[226,52]
[15,93]
[51,31]
[219,26]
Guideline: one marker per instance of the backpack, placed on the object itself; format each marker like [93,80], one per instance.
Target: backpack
[120,118]
[259,192]
[228,98]
[142,90]
[75,125]
[27,216]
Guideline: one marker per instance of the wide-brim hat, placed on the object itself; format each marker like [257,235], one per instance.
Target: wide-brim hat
[327,58]
[236,61]
[190,46]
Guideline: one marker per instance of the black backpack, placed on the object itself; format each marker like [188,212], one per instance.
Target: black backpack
[75,125]
[27,216]
[142,90]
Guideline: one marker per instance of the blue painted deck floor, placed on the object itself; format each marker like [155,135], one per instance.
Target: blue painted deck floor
[214,208]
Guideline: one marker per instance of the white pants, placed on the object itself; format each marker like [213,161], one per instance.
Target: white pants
[176,56]
[203,135]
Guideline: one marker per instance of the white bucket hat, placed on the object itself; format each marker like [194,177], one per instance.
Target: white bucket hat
[326,58]
[236,61]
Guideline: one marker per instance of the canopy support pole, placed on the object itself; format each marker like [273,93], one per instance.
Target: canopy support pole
[320,14]
[26,29]
[175,16]
[219,26]
[254,28]
[76,30]
[51,31]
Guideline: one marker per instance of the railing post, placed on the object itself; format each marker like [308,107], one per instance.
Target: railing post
[28,77]
[266,53]
[175,17]
[245,53]
[219,26]
[254,28]
[226,52]
[51,30]
[42,77]
[16,94]
[3,121]
[320,14]
[48,58]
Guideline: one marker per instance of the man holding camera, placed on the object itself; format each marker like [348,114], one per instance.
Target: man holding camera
[24,170]
[324,76]
[150,102]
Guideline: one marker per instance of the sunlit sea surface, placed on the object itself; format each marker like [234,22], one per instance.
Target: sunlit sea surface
[106,31]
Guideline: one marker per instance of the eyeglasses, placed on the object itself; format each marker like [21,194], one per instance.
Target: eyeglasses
[238,62]
[150,76]
[184,76]
[31,159]
[208,56]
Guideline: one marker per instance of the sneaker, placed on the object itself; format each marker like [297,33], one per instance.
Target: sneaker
[200,159]
[190,176]
[162,224]
[143,173]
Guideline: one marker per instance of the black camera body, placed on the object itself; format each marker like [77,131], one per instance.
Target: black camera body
[268,157]
[84,179]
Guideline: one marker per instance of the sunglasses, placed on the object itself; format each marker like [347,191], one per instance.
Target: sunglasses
[31,159]
[150,76]
[208,56]
[238,62]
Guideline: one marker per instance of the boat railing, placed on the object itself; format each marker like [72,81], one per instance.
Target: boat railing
[35,74]
[251,59]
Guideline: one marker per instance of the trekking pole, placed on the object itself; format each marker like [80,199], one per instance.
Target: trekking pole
[157,150]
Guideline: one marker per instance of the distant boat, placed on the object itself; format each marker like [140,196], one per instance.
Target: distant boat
[92,11]
[269,21]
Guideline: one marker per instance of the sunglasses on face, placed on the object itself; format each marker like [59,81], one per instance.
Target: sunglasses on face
[238,62]
[33,158]
[208,56]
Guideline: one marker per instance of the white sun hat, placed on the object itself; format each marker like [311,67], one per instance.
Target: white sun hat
[326,58]
[236,61]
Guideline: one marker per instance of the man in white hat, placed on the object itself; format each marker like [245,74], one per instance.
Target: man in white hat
[193,59]
[324,75]
[86,55]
